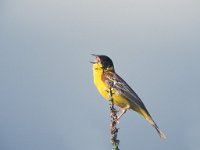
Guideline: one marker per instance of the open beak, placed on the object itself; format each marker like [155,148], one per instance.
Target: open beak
[94,55]
[96,60]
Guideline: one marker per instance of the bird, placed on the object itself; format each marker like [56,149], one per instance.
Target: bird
[106,79]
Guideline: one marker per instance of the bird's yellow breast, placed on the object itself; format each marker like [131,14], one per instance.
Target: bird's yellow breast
[103,88]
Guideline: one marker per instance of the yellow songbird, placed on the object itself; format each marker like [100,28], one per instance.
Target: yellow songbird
[105,79]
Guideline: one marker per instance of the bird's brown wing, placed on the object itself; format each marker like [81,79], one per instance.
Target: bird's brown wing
[117,83]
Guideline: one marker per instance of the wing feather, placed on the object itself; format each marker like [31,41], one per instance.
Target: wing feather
[117,83]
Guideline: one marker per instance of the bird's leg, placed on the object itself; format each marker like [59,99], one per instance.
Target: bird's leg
[123,112]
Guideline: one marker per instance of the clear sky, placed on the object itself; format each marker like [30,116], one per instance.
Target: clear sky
[47,97]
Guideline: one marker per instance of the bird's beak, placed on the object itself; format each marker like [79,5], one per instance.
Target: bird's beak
[96,60]
[92,62]
[94,55]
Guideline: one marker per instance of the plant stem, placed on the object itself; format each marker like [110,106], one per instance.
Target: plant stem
[113,124]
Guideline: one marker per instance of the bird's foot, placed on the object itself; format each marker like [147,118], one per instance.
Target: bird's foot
[123,112]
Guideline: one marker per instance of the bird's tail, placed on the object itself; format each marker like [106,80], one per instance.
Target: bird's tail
[161,134]
[148,117]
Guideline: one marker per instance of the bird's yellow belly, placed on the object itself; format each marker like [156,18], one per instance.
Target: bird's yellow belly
[117,98]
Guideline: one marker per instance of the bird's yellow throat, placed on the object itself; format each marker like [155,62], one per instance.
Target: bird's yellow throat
[101,86]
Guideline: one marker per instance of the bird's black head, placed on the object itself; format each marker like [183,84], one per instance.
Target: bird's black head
[105,61]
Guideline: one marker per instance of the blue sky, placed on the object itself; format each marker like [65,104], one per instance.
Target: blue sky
[47,96]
